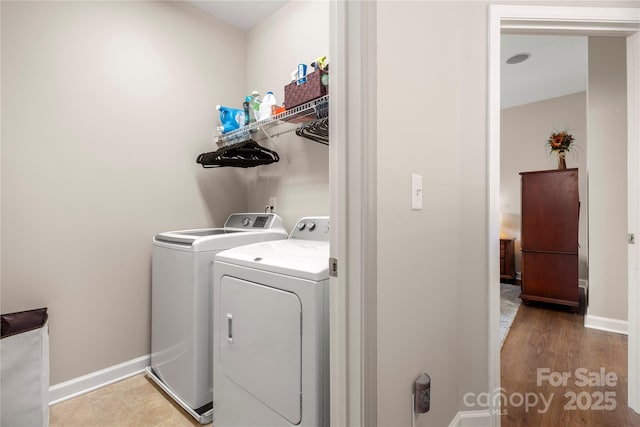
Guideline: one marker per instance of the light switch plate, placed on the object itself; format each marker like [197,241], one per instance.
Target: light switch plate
[416,192]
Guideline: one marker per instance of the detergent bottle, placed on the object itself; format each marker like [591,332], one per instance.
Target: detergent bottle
[268,102]
[254,106]
[231,118]
[246,106]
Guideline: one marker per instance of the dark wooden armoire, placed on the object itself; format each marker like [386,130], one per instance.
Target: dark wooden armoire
[549,237]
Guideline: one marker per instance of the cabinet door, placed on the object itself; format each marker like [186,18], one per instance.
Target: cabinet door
[550,207]
[550,277]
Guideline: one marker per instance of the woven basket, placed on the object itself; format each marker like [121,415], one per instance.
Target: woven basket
[295,94]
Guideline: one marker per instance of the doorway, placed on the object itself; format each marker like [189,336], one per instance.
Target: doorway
[563,21]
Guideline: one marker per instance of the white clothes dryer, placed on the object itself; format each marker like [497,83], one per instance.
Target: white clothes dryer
[271,331]
[181,315]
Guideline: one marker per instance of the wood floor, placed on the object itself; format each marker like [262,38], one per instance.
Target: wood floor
[551,361]
[134,402]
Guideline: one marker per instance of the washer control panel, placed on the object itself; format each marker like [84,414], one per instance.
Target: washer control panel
[254,221]
[311,228]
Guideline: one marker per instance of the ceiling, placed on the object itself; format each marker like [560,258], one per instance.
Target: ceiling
[557,65]
[243,14]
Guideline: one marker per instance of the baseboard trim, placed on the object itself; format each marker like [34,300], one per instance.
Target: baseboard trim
[95,380]
[606,324]
[471,419]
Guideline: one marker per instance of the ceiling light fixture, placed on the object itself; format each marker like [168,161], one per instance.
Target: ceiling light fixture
[518,58]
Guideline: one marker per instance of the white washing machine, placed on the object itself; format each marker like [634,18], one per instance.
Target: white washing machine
[271,331]
[181,315]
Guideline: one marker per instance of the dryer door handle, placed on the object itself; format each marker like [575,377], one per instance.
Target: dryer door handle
[230,327]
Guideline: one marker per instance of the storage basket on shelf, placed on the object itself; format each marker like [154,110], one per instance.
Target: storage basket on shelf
[295,94]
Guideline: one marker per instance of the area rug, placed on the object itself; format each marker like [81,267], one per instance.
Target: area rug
[509,305]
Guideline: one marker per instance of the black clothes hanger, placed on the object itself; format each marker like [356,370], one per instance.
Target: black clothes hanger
[246,154]
[317,131]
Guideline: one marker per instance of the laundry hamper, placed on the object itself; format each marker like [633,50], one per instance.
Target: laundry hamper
[24,369]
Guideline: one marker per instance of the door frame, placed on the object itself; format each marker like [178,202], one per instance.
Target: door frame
[353,210]
[564,21]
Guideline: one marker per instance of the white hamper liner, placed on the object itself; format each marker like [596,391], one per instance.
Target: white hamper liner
[24,369]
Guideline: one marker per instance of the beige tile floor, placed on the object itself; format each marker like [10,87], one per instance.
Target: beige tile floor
[136,401]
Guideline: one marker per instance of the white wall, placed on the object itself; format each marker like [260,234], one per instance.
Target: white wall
[432,295]
[524,131]
[432,290]
[105,106]
[607,161]
[296,33]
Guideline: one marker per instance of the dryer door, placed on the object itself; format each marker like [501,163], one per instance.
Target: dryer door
[261,344]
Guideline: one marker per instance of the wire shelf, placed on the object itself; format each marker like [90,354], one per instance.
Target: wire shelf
[315,110]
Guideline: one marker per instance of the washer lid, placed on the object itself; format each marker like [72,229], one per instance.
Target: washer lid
[188,237]
[239,229]
[305,259]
